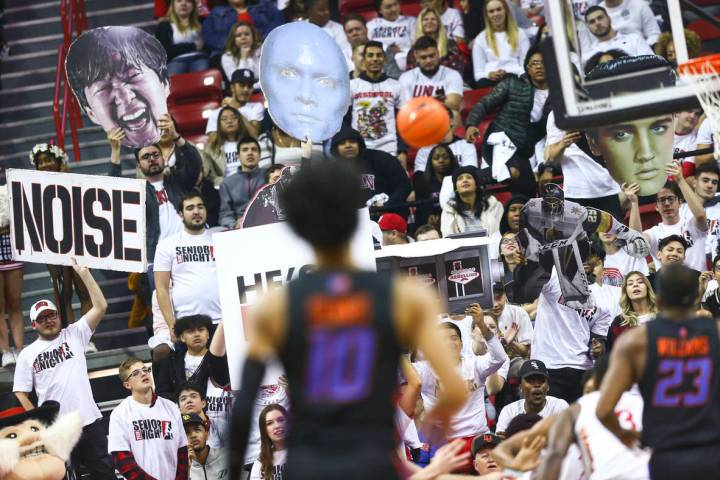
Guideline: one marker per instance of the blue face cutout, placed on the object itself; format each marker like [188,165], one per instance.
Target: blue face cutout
[305,79]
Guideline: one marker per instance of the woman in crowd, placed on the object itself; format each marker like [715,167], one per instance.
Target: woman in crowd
[181,36]
[395,31]
[666,48]
[273,453]
[499,50]
[242,49]
[511,216]
[11,284]
[471,208]
[637,305]
[430,25]
[427,184]
[220,156]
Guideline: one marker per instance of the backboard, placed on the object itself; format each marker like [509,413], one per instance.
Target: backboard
[581,104]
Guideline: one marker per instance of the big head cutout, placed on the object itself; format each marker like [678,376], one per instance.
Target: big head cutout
[635,151]
[119,77]
[305,79]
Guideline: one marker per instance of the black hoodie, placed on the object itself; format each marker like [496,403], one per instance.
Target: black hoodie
[380,171]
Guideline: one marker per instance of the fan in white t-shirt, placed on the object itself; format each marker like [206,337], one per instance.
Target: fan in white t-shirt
[630,16]
[693,229]
[606,38]
[464,151]
[213,406]
[617,262]
[146,435]
[534,387]
[685,139]
[515,328]
[395,31]
[251,113]
[188,260]
[470,419]
[705,139]
[707,177]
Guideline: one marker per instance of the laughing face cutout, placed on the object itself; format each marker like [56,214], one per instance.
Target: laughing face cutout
[119,77]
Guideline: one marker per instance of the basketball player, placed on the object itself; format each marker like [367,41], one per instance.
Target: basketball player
[674,360]
[339,333]
[604,457]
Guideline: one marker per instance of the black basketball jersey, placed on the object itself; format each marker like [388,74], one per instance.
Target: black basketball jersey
[681,384]
[341,358]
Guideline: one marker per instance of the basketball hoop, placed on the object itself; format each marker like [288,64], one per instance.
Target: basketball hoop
[703,74]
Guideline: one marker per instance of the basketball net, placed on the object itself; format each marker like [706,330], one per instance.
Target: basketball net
[703,74]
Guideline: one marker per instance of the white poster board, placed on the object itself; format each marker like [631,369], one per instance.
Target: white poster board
[250,261]
[98,220]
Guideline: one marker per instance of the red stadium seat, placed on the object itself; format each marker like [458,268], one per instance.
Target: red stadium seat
[200,141]
[648,215]
[355,6]
[191,118]
[705,29]
[195,87]
[411,9]
[257,97]
[470,98]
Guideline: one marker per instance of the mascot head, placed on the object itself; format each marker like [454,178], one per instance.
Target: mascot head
[35,444]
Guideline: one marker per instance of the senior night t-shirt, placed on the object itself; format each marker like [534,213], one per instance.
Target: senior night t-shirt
[57,370]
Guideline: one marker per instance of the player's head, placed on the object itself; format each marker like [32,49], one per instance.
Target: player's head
[450,333]
[634,151]
[190,398]
[135,376]
[193,331]
[707,176]
[672,249]
[677,287]
[321,203]
[552,199]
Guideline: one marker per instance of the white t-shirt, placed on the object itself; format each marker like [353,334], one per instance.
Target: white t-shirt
[190,259]
[552,406]
[688,229]
[231,157]
[279,460]
[470,419]
[219,405]
[399,32]
[453,23]
[617,265]
[634,16]
[170,222]
[631,43]
[373,112]
[192,362]
[414,83]
[562,334]
[604,456]
[608,296]
[267,394]
[485,60]
[465,153]
[583,177]
[713,219]
[539,99]
[514,314]
[57,370]
[252,111]
[685,143]
[153,434]
[705,134]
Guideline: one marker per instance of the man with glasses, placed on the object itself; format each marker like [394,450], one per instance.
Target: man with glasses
[54,366]
[146,438]
[693,228]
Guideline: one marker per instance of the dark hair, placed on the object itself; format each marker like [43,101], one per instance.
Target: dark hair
[600,369]
[106,51]
[715,259]
[596,8]
[430,170]
[707,167]
[481,198]
[192,386]
[373,43]
[673,186]
[676,286]
[522,422]
[664,76]
[424,42]
[554,168]
[594,61]
[248,139]
[194,193]
[474,20]
[518,199]
[191,321]
[266,447]
[452,326]
[271,169]
[354,16]
[136,151]
[672,238]
[534,49]
[321,203]
[426,229]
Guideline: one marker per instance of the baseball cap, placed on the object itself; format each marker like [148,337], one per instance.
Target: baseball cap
[533,367]
[484,440]
[243,75]
[39,307]
[392,221]
[190,418]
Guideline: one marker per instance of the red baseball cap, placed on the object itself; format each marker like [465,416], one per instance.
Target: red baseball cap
[392,221]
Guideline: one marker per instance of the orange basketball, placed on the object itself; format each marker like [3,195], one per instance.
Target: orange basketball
[423,121]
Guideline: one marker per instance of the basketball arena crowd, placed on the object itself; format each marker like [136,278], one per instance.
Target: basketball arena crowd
[481,59]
